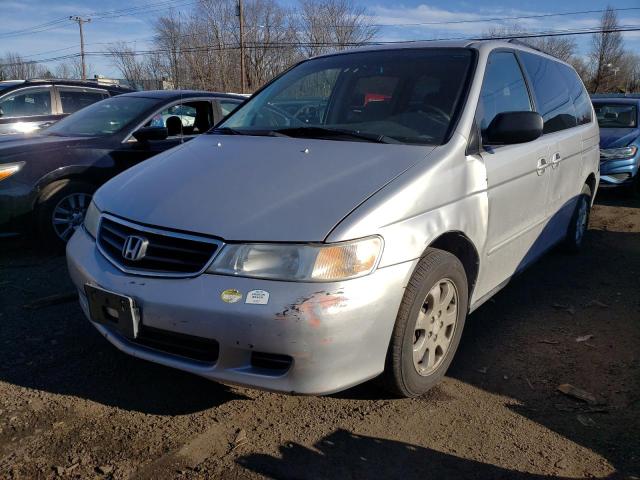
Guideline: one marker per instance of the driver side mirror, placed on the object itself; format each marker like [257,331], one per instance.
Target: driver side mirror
[146,134]
[514,127]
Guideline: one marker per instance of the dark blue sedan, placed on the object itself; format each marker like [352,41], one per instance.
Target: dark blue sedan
[619,140]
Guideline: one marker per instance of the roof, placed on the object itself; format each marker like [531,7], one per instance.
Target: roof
[63,81]
[627,98]
[466,43]
[178,94]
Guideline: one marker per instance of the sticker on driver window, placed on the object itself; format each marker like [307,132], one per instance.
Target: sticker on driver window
[257,297]
[231,295]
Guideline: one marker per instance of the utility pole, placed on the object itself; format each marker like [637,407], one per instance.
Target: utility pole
[80,21]
[240,14]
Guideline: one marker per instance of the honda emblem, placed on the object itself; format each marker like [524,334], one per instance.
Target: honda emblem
[135,248]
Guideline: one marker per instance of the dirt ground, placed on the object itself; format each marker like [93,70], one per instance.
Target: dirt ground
[72,406]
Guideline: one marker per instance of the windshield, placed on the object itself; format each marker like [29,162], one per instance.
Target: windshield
[102,118]
[616,115]
[391,96]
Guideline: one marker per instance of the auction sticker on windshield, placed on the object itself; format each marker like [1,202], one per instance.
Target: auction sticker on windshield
[257,297]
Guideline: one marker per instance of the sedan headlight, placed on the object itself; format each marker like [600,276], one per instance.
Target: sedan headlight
[306,263]
[92,219]
[618,153]
[9,169]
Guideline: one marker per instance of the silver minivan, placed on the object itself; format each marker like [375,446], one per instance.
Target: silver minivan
[343,222]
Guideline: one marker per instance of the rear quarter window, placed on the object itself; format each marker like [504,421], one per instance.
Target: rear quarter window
[578,94]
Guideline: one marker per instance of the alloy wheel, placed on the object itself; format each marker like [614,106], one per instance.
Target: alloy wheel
[68,214]
[435,327]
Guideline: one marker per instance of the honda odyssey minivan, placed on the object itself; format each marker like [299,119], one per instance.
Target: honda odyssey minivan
[344,221]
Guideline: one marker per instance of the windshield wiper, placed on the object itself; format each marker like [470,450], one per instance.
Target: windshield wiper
[322,132]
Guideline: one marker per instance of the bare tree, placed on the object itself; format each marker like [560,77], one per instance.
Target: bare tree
[606,52]
[126,60]
[169,37]
[563,48]
[14,67]
[72,69]
[330,25]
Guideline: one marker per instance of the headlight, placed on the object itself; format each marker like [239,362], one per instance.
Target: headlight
[306,263]
[618,153]
[92,219]
[9,169]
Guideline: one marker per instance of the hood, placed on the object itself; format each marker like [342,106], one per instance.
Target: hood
[617,137]
[256,188]
[26,144]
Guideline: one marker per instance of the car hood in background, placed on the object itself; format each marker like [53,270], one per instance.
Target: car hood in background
[617,137]
[11,145]
[256,188]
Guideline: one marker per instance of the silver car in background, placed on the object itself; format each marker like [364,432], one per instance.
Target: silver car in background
[343,222]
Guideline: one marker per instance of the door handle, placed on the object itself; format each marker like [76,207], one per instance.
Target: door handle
[542,166]
[555,160]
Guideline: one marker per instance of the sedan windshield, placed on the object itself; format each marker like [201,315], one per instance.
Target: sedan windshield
[102,118]
[388,96]
[616,115]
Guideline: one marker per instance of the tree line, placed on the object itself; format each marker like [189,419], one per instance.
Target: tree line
[200,49]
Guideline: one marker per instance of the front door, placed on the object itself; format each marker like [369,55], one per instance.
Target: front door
[517,177]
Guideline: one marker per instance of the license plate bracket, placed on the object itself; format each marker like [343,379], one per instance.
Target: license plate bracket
[114,310]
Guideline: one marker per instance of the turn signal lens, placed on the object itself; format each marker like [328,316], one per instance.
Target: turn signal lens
[347,260]
[9,169]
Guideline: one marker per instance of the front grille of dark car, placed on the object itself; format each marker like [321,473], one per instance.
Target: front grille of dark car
[620,176]
[194,348]
[168,253]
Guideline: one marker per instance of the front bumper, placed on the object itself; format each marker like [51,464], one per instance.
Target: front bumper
[618,172]
[336,333]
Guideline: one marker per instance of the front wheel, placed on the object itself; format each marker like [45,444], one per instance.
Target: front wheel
[428,326]
[61,210]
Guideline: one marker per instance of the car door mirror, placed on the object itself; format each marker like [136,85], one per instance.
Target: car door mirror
[146,134]
[514,127]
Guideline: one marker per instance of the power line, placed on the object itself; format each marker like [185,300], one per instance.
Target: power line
[501,19]
[628,28]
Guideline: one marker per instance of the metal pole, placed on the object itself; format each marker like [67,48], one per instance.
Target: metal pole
[242,67]
[80,21]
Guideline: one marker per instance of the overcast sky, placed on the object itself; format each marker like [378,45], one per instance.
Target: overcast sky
[62,38]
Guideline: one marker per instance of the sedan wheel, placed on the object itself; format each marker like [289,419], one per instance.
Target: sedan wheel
[68,214]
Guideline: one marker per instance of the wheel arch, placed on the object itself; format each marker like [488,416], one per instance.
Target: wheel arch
[459,245]
[591,182]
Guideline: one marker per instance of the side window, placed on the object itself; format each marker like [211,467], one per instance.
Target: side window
[26,103]
[503,88]
[189,118]
[73,99]
[578,93]
[551,93]
[228,106]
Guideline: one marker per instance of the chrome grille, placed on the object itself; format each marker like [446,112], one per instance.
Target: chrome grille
[167,253]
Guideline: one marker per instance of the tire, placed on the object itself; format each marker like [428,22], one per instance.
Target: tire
[579,222]
[437,273]
[69,196]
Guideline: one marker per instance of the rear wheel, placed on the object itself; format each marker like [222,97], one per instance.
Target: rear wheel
[579,221]
[61,210]
[429,325]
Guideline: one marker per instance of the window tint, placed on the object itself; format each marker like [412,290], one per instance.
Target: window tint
[409,96]
[578,93]
[551,93]
[103,118]
[73,99]
[503,89]
[228,106]
[27,103]
[616,115]
[190,118]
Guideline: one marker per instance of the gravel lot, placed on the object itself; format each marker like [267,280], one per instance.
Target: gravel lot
[72,406]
